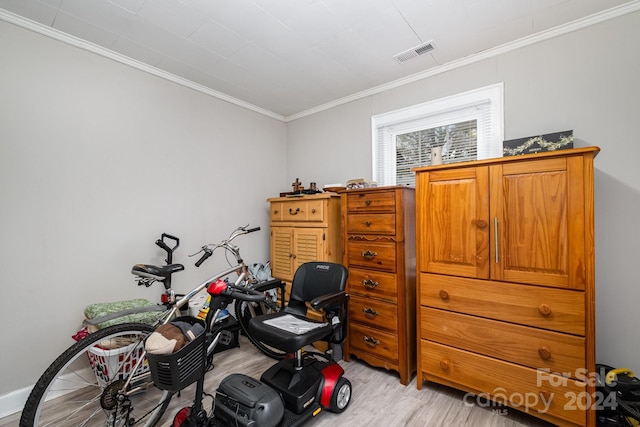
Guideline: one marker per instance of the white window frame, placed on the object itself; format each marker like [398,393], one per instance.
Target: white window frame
[437,113]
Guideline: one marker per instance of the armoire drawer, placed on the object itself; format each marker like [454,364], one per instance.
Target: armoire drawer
[374,341]
[374,255]
[532,347]
[528,390]
[374,284]
[548,308]
[377,201]
[378,314]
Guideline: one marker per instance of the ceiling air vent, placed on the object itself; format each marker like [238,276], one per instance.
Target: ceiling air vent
[414,52]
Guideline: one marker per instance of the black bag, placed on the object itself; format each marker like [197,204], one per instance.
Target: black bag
[618,397]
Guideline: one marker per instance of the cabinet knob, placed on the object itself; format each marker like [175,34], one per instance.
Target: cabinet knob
[367,223]
[275,212]
[369,284]
[544,353]
[544,309]
[313,211]
[367,202]
[370,312]
[369,254]
[292,212]
[444,364]
[481,223]
[292,256]
[444,295]
[370,341]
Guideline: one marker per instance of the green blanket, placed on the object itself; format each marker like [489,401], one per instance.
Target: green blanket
[96,311]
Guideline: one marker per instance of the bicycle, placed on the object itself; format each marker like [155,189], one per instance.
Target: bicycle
[104,378]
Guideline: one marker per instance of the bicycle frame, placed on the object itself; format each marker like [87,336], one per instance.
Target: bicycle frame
[174,310]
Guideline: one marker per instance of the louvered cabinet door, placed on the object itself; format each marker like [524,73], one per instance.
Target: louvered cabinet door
[303,229]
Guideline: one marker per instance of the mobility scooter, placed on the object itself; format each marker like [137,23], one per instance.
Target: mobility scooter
[296,388]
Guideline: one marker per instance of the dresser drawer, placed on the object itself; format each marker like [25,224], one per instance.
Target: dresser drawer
[523,388]
[298,211]
[548,308]
[276,211]
[371,224]
[375,201]
[374,255]
[374,341]
[378,314]
[523,345]
[375,284]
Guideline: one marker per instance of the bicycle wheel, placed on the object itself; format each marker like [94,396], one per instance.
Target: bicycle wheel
[84,386]
[245,311]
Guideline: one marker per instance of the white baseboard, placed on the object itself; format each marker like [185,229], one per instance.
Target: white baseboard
[13,401]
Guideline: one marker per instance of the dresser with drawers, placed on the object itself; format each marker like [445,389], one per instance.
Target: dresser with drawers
[505,259]
[378,227]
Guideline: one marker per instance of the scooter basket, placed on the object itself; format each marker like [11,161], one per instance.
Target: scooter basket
[175,371]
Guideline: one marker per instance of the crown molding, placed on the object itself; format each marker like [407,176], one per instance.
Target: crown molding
[605,15]
[632,6]
[107,53]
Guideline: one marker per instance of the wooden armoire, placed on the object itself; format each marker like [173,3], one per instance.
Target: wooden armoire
[505,286]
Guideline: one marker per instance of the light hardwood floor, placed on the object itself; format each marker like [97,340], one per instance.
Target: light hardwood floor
[378,398]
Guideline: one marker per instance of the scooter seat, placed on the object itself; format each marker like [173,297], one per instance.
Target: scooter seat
[288,331]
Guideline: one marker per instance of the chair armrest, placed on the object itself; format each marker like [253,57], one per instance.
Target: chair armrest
[329,299]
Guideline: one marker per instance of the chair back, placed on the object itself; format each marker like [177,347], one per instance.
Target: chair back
[313,279]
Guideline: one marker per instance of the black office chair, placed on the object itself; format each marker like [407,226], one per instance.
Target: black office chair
[312,380]
[322,285]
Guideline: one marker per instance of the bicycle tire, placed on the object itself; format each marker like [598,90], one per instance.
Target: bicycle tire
[243,310]
[70,392]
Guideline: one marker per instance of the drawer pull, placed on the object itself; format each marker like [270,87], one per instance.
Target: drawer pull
[275,212]
[370,341]
[370,284]
[367,202]
[544,309]
[367,223]
[292,212]
[544,353]
[444,295]
[370,312]
[444,364]
[313,211]
[369,254]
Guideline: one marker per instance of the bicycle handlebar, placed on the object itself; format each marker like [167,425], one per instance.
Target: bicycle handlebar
[225,244]
[207,253]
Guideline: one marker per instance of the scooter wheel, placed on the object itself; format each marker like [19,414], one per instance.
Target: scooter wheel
[182,418]
[341,396]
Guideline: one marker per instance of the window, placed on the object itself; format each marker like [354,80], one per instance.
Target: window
[467,126]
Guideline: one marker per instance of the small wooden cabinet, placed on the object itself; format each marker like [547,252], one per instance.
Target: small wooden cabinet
[379,250]
[505,252]
[304,228]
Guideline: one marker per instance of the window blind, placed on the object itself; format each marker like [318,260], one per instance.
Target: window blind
[467,128]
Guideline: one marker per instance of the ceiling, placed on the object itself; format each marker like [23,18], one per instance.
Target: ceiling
[287,57]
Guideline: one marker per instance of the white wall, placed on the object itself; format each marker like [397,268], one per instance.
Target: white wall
[97,160]
[586,81]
